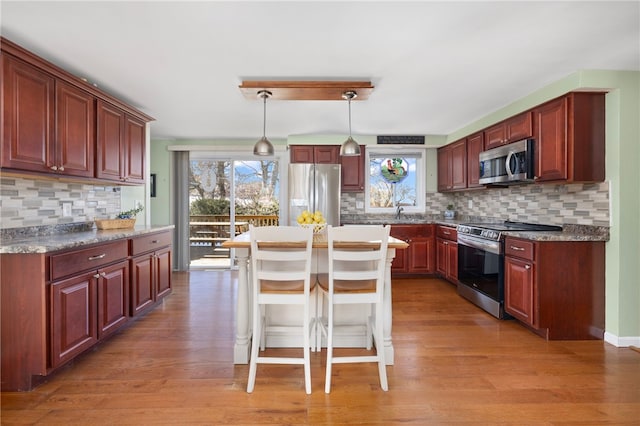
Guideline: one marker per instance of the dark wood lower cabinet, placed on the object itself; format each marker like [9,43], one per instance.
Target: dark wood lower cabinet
[150,272]
[556,288]
[447,253]
[419,257]
[73,317]
[57,305]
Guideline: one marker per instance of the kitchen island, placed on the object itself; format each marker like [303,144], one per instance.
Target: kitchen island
[242,244]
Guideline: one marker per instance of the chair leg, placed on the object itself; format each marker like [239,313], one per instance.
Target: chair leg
[263,331]
[306,353]
[369,336]
[379,341]
[255,344]
[327,380]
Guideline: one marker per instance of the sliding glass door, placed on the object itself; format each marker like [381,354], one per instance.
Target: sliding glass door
[225,196]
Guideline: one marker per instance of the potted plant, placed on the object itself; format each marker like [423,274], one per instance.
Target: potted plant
[123,220]
[450,212]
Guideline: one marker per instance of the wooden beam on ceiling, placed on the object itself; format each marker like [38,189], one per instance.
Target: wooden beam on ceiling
[306,90]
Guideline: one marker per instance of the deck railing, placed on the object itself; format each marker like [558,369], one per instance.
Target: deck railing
[210,237]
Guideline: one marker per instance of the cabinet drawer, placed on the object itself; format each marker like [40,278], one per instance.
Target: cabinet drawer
[150,242]
[519,248]
[85,259]
[447,233]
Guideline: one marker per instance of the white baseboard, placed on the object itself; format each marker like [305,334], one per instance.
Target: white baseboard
[621,342]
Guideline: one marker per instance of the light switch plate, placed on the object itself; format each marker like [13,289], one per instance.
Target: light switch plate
[66,210]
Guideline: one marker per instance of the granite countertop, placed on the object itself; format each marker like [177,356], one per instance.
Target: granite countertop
[60,241]
[568,233]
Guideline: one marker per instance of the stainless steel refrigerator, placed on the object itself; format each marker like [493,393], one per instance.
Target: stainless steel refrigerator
[314,187]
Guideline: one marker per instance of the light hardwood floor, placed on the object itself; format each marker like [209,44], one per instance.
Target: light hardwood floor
[454,365]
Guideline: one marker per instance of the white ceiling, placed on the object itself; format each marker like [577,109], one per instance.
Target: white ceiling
[436,66]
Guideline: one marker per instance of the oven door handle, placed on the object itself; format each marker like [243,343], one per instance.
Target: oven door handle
[489,246]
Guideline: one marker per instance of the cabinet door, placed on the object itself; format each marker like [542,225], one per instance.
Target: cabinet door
[113,298]
[441,257]
[163,272]
[135,146]
[458,163]
[73,317]
[519,289]
[452,261]
[519,127]
[326,154]
[110,142]
[495,135]
[352,169]
[301,154]
[75,131]
[475,145]
[142,283]
[551,140]
[422,256]
[27,116]
[444,169]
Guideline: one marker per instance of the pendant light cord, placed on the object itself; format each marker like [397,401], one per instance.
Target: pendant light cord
[264,114]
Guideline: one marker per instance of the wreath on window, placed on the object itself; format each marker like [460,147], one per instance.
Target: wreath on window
[394,170]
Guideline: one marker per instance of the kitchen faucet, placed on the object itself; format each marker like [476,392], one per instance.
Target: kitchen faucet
[399,210]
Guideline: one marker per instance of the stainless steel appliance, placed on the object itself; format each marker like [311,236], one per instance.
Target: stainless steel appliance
[481,262]
[508,164]
[314,187]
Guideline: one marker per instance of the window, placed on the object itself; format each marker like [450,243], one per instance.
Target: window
[396,178]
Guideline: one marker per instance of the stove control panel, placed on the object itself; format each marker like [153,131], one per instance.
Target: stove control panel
[487,234]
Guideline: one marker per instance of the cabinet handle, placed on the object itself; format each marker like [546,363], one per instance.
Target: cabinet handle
[516,248]
[96,276]
[54,168]
[446,232]
[96,257]
[527,266]
[103,274]
[155,242]
[61,168]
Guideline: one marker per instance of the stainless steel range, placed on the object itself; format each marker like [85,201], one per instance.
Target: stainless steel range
[481,262]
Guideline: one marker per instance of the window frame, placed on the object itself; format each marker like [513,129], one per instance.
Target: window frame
[421,173]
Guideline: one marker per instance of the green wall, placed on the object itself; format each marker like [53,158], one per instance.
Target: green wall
[622,158]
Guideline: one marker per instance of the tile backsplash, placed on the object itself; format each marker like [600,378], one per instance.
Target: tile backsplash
[31,202]
[28,202]
[575,204]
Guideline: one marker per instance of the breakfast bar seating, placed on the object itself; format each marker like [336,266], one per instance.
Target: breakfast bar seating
[242,245]
[357,258]
[281,275]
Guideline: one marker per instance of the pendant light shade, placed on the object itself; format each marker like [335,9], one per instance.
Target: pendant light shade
[263,147]
[350,147]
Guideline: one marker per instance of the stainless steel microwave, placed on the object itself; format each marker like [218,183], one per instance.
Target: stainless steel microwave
[507,164]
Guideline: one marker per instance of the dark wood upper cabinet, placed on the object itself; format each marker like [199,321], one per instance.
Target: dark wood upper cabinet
[75,130]
[121,145]
[452,166]
[352,170]
[53,124]
[317,154]
[510,130]
[27,115]
[570,141]
[475,145]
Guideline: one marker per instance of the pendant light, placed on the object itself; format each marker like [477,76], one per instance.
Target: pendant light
[263,147]
[350,148]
